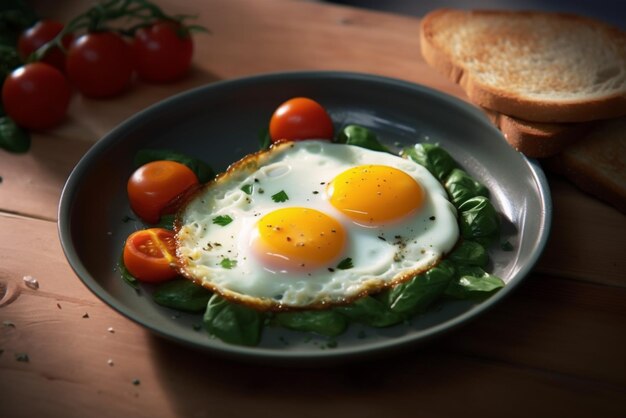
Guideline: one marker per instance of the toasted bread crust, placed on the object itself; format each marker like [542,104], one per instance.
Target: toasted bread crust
[597,163]
[503,100]
[538,139]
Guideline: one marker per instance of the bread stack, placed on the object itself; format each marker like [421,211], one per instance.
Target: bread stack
[553,83]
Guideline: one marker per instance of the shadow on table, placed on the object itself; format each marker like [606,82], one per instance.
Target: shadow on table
[200,383]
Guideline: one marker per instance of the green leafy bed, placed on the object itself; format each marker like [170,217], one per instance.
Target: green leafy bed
[461,275]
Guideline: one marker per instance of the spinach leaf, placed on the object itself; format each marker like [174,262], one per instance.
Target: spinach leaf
[233,323]
[182,294]
[461,187]
[469,253]
[506,246]
[12,137]
[126,276]
[417,294]
[15,17]
[166,221]
[473,282]
[200,168]
[9,60]
[325,322]
[264,138]
[433,157]
[478,220]
[372,312]
[360,136]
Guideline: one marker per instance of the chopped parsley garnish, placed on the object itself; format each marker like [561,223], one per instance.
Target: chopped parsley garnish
[247,189]
[280,197]
[222,220]
[227,263]
[345,264]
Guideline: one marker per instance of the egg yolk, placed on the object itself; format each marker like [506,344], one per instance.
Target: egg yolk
[298,238]
[372,194]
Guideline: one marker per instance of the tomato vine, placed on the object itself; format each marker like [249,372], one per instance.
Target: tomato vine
[99,18]
[121,34]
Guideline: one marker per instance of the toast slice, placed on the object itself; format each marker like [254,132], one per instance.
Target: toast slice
[597,163]
[536,66]
[538,139]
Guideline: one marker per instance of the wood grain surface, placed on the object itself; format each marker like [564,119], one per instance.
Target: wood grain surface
[554,348]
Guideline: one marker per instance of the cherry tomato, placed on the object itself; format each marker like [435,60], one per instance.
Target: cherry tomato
[153,187]
[300,118]
[36,96]
[149,255]
[38,35]
[162,52]
[99,64]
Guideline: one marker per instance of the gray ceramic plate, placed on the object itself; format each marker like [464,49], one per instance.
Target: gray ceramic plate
[219,123]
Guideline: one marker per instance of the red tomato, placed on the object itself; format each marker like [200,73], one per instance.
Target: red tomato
[300,118]
[153,187]
[36,96]
[162,52]
[149,255]
[99,64]
[38,35]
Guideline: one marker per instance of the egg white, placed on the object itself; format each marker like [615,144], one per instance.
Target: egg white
[382,255]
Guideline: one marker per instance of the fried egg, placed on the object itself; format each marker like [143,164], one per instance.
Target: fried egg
[312,224]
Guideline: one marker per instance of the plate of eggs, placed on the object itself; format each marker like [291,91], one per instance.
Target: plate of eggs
[406,216]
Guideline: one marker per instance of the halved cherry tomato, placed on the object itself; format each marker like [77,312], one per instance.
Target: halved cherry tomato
[153,187]
[162,52]
[36,96]
[150,255]
[41,33]
[300,118]
[99,64]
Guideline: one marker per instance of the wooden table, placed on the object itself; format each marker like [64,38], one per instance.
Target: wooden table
[554,348]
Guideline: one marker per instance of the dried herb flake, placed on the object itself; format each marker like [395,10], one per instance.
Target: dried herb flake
[22,357]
